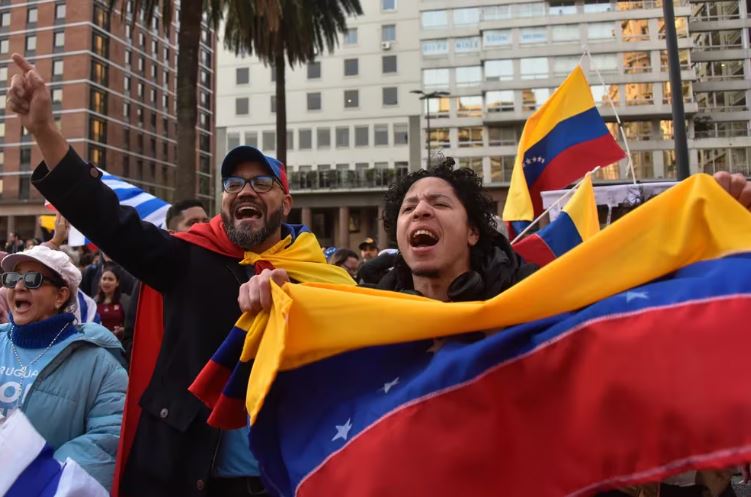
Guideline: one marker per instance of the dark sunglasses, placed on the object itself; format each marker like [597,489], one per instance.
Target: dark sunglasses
[31,280]
[259,184]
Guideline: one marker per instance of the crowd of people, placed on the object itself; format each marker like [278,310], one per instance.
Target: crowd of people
[448,249]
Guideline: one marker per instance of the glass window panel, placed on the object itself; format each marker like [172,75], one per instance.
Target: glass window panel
[434,19]
[591,6]
[435,78]
[636,62]
[564,65]
[305,138]
[536,9]
[381,134]
[388,32]
[362,134]
[390,95]
[351,67]
[440,137]
[323,137]
[439,107]
[605,62]
[268,138]
[342,137]
[562,7]
[499,70]
[534,35]
[496,12]
[601,31]
[351,99]
[467,44]
[401,134]
[499,101]
[469,107]
[534,68]
[470,137]
[466,16]
[435,47]
[350,36]
[314,101]
[242,75]
[533,98]
[639,94]
[635,30]
[388,64]
[565,32]
[468,75]
[496,37]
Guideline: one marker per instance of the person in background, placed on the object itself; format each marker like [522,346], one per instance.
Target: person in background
[14,243]
[67,378]
[31,242]
[347,259]
[368,249]
[111,303]
[184,214]
[92,275]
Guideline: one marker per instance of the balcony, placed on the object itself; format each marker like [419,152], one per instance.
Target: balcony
[365,179]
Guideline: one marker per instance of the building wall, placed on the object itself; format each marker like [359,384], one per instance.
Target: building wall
[113,87]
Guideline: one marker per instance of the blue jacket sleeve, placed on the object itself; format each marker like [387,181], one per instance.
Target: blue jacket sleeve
[77,192]
[96,449]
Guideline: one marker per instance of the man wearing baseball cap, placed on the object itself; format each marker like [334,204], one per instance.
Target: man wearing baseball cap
[172,451]
[368,249]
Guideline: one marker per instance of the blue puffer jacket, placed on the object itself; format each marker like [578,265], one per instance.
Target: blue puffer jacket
[76,403]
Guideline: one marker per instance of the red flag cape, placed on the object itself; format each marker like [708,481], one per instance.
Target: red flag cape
[148,333]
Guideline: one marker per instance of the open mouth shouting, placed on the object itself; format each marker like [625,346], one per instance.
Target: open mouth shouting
[422,240]
[247,211]
[21,303]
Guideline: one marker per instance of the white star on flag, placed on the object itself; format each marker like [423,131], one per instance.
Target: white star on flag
[391,384]
[636,296]
[342,431]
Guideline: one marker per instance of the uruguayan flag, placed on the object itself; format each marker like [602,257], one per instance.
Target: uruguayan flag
[150,208]
[30,470]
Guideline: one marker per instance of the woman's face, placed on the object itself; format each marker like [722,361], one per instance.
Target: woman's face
[109,282]
[31,305]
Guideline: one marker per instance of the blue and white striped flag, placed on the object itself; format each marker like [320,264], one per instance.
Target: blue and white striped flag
[150,208]
[30,469]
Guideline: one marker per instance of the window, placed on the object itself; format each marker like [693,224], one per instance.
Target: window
[126,111]
[565,32]
[639,94]
[4,45]
[98,101]
[559,8]
[536,9]
[440,137]
[388,5]
[467,44]
[57,96]
[496,37]
[290,139]
[496,12]
[102,19]
[469,16]
[305,139]
[32,15]
[314,101]
[31,43]
[3,73]
[636,62]
[388,32]
[401,134]
[432,78]
[323,137]
[499,70]
[99,72]
[242,106]
[597,6]
[502,136]
[342,137]
[535,97]
[4,19]
[533,35]
[601,31]
[351,67]
[434,19]
[350,36]
[59,39]
[468,76]
[390,95]
[272,103]
[60,11]
[139,89]
[128,57]
[534,68]
[635,30]
[98,130]
[563,65]
[351,99]
[242,75]
[98,42]
[469,107]
[314,70]
[57,67]
[251,138]
[381,134]
[438,107]
[388,64]
[268,140]
[140,64]
[605,62]
[362,136]
[435,47]
[126,83]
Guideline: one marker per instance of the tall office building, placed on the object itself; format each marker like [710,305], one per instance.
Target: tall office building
[499,60]
[112,79]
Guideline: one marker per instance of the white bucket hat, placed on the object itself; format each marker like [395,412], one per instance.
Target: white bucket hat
[55,260]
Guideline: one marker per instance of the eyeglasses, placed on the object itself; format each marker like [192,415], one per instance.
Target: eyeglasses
[259,184]
[31,280]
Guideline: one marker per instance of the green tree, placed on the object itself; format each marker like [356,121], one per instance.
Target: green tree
[304,29]
[188,43]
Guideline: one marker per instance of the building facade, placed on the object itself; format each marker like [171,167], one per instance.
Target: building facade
[112,80]
[498,60]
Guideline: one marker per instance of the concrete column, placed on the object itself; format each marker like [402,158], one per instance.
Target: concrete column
[383,239]
[342,234]
[37,228]
[307,216]
[11,225]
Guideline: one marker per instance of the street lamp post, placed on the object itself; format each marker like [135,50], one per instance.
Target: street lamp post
[676,92]
[427,97]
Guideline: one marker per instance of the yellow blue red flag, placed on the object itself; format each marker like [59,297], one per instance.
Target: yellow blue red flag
[561,141]
[577,222]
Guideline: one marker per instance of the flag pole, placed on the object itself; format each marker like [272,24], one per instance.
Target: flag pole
[615,113]
[560,199]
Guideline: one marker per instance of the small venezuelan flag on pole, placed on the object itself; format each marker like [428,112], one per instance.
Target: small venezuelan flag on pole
[561,141]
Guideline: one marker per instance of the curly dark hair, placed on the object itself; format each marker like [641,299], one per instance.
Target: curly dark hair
[468,188]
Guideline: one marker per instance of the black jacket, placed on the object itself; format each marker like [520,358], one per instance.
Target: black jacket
[492,271]
[173,450]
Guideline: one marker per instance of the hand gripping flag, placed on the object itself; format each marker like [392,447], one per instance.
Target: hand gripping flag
[150,208]
[30,468]
[561,141]
[621,362]
[576,223]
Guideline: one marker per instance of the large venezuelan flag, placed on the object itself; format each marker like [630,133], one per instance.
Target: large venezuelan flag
[577,222]
[621,362]
[561,141]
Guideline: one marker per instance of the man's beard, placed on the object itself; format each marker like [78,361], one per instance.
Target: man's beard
[249,239]
[427,273]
